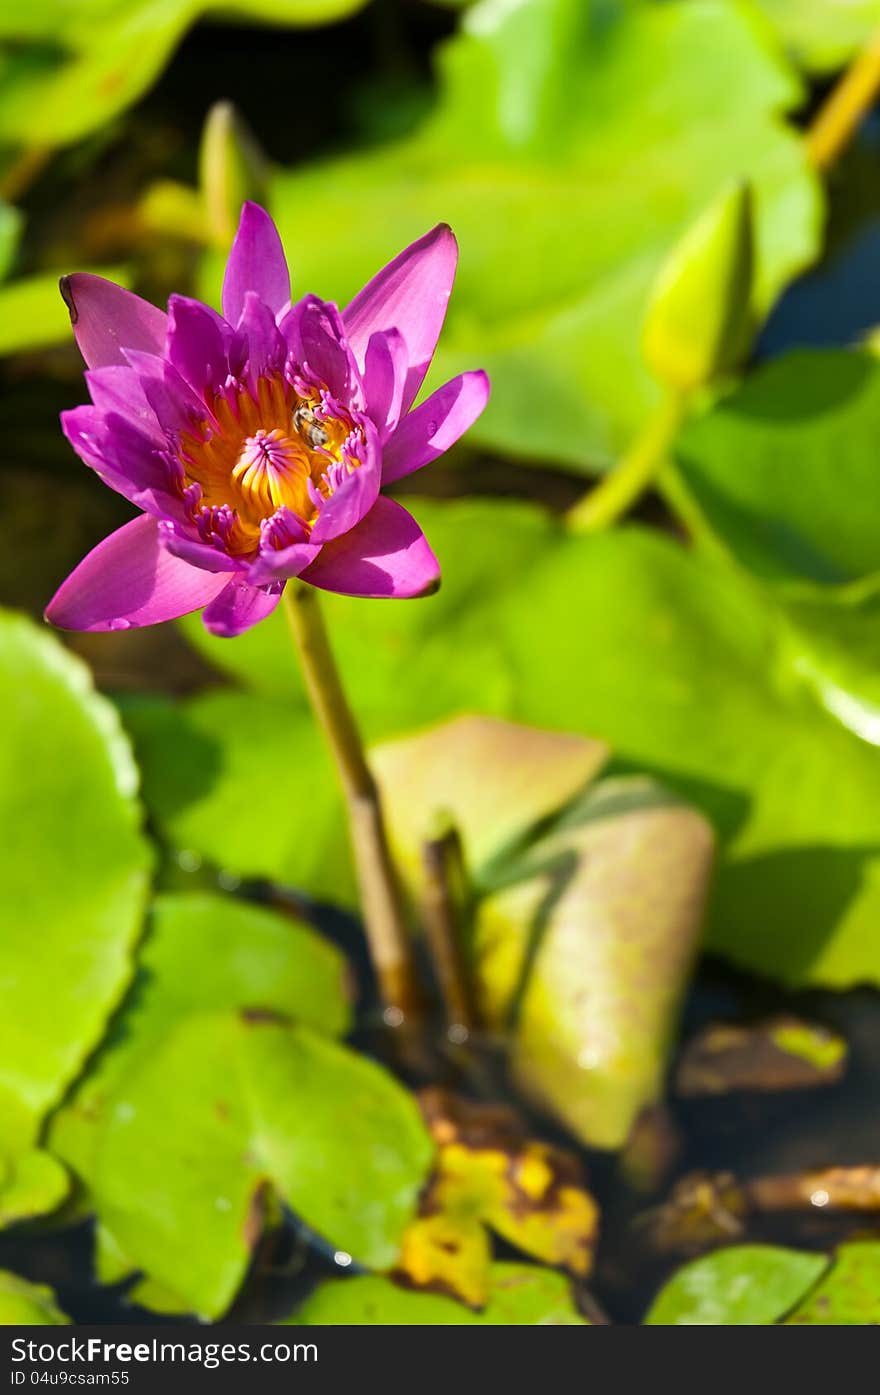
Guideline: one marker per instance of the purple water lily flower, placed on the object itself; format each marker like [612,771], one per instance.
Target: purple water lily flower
[256,443]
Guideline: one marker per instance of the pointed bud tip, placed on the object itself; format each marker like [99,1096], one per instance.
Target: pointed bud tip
[66,289]
[699,321]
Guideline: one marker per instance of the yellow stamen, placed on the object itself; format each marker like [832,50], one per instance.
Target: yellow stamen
[269,449]
[273,470]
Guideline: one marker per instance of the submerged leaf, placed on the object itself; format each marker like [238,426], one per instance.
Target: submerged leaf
[704,1209]
[828,1189]
[782,1053]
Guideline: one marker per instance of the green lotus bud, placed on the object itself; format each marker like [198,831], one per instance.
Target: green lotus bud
[232,168]
[699,322]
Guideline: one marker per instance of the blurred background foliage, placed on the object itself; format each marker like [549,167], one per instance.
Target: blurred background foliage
[704,674]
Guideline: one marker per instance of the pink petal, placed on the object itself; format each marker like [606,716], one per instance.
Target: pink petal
[197,343]
[387,554]
[116,389]
[435,425]
[107,319]
[285,549]
[314,331]
[258,345]
[239,606]
[385,371]
[346,507]
[196,553]
[176,406]
[127,581]
[282,565]
[256,263]
[354,496]
[410,295]
[121,455]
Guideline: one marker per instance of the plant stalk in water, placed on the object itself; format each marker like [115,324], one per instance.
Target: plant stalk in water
[445,899]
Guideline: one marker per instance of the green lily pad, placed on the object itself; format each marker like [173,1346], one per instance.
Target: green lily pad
[229,1105]
[204,953]
[835,650]
[112,1266]
[783,474]
[589,954]
[521,1295]
[849,1293]
[622,118]
[741,1285]
[821,36]
[74,869]
[88,60]
[785,470]
[265,759]
[220,1080]
[678,664]
[23,1304]
[31,1184]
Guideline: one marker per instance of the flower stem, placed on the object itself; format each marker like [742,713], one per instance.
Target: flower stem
[386,929]
[842,112]
[616,493]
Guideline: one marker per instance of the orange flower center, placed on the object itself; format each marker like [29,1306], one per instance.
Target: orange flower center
[265,452]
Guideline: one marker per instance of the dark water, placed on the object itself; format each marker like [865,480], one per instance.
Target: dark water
[838,302]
